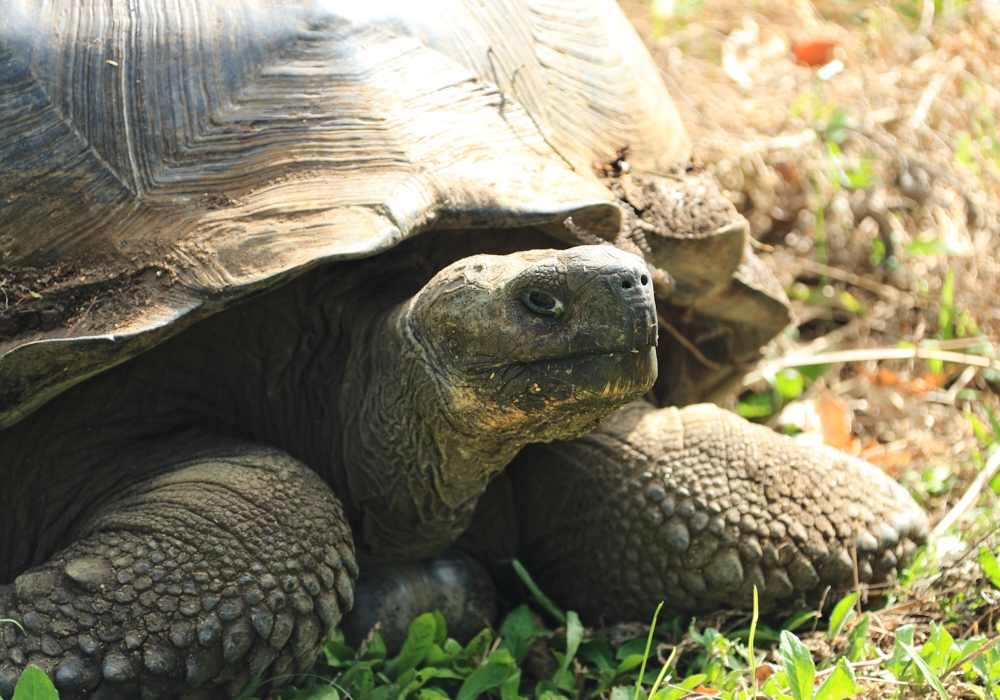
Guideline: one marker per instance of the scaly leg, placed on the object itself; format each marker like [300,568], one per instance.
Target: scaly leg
[230,567]
[695,507]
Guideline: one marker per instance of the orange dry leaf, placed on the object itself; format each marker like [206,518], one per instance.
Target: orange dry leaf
[705,690]
[926,382]
[836,418]
[814,53]
[763,672]
[887,377]
[892,463]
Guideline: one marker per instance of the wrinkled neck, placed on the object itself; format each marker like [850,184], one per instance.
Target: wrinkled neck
[414,473]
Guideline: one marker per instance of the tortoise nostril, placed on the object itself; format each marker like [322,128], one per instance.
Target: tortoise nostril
[644,280]
[627,284]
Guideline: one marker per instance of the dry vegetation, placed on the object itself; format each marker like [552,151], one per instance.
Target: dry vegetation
[860,141]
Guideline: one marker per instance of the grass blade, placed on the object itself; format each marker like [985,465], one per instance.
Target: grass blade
[649,641]
[841,615]
[536,592]
[662,674]
[925,670]
[751,656]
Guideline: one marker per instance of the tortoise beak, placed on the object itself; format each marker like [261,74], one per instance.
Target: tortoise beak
[625,278]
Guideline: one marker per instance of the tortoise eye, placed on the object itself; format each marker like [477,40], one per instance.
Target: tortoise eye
[543,303]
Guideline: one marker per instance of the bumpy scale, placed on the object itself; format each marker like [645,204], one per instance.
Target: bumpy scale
[165,591]
[696,506]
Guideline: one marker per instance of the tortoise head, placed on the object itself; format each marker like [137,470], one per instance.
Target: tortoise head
[541,344]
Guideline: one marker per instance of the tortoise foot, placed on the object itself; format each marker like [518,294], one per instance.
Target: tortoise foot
[696,507]
[188,585]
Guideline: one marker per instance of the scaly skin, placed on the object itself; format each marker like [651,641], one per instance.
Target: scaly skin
[694,507]
[189,519]
[202,578]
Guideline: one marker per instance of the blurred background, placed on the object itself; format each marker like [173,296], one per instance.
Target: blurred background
[860,141]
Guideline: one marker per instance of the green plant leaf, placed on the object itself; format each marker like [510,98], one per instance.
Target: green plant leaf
[487,677]
[632,647]
[384,692]
[12,622]
[988,560]
[900,658]
[358,671]
[417,682]
[939,650]
[797,620]
[574,635]
[440,628]
[629,663]
[509,688]
[376,649]
[437,657]
[756,406]
[34,685]
[598,653]
[315,692]
[477,647]
[799,666]
[857,640]
[789,383]
[925,670]
[433,694]
[649,642]
[841,683]
[762,633]
[418,642]
[336,652]
[682,688]
[842,613]
[946,315]
[518,632]
[366,685]
[994,424]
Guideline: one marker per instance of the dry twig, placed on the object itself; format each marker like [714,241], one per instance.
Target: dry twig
[971,495]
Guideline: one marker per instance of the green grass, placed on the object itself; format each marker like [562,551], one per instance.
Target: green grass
[714,660]
[839,654]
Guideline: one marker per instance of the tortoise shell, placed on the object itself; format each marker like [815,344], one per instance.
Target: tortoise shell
[160,161]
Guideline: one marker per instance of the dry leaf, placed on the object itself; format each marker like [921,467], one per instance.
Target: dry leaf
[836,420]
[763,672]
[814,53]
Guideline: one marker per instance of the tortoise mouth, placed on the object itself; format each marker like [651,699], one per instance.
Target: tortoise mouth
[609,372]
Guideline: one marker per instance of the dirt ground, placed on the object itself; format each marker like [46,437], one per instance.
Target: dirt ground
[859,139]
[864,153]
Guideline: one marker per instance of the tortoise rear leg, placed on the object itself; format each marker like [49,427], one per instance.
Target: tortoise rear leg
[188,585]
[697,506]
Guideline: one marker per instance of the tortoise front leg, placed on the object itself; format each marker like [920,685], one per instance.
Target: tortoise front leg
[189,585]
[697,506]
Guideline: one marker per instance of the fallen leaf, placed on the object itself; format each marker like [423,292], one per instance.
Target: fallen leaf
[835,418]
[926,382]
[814,53]
[887,377]
[763,672]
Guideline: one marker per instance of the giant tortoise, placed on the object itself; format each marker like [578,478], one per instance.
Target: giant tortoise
[287,284]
